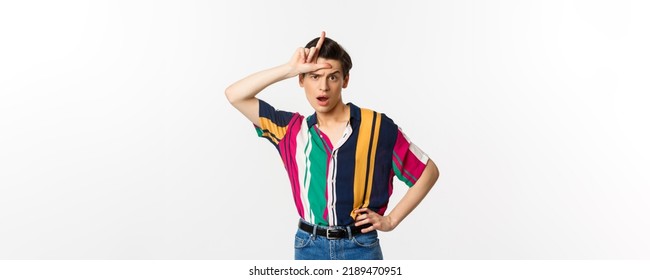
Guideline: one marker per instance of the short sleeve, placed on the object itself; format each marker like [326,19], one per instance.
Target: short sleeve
[408,160]
[273,123]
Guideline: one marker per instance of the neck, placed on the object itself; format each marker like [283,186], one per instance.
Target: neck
[339,114]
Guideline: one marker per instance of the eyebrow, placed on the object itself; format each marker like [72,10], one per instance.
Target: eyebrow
[335,72]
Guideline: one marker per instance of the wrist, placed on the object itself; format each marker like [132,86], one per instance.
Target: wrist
[289,71]
[391,222]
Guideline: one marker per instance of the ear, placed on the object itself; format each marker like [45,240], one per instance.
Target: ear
[346,80]
[301,78]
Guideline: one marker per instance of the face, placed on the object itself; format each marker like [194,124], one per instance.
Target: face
[323,87]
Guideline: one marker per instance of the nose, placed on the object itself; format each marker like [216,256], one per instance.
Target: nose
[322,84]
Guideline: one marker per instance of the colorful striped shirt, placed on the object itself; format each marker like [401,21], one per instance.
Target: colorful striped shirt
[331,180]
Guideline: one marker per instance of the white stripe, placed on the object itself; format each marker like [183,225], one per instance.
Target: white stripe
[418,153]
[302,162]
[424,158]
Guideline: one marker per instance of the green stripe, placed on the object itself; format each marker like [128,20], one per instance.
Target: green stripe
[399,160]
[399,175]
[318,182]
[413,178]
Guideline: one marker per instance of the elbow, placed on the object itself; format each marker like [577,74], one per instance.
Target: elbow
[434,172]
[233,95]
[229,95]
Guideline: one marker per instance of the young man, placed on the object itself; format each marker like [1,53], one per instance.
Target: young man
[341,160]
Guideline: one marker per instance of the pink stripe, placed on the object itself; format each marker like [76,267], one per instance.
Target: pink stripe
[382,210]
[289,159]
[401,148]
[411,164]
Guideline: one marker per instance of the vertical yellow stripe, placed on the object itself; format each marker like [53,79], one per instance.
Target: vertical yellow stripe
[361,158]
[361,185]
[373,153]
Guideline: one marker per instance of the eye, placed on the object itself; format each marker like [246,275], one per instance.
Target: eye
[313,77]
[333,78]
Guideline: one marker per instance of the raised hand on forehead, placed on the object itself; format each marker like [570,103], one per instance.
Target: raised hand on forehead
[304,59]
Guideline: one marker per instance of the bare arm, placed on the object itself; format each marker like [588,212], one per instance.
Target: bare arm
[411,199]
[242,93]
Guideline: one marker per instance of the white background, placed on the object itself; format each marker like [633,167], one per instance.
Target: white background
[116,141]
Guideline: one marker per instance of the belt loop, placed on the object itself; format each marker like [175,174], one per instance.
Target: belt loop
[313,234]
[349,230]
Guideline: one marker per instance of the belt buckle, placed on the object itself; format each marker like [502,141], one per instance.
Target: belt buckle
[327,233]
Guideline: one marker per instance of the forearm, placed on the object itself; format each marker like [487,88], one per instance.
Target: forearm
[414,195]
[242,93]
[247,88]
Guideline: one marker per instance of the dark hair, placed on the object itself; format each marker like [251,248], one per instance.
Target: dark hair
[332,50]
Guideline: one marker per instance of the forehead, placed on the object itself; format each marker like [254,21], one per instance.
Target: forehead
[336,66]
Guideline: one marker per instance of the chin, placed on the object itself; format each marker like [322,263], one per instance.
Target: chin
[322,109]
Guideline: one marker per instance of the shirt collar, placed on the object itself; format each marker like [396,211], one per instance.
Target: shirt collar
[355,116]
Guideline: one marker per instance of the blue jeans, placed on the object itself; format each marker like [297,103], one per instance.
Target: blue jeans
[363,246]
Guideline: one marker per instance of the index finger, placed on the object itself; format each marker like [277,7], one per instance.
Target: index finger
[321,40]
[361,210]
[314,50]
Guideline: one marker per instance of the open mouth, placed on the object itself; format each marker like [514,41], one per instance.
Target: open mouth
[322,98]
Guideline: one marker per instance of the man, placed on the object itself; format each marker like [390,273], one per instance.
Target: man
[341,160]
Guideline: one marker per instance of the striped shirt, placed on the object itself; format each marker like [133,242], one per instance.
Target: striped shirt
[331,180]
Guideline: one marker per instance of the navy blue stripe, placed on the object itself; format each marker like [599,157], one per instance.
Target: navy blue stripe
[383,164]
